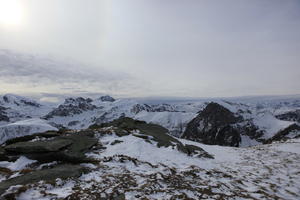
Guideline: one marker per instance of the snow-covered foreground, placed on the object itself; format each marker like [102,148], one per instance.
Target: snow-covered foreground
[134,169]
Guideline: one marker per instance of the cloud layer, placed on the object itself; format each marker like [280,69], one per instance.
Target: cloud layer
[193,48]
[33,71]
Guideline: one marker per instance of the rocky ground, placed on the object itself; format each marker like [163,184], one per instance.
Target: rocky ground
[127,161]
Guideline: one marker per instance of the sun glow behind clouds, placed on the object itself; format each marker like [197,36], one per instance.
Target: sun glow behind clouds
[11,12]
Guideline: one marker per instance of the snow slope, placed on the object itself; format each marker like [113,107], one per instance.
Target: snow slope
[260,172]
[135,169]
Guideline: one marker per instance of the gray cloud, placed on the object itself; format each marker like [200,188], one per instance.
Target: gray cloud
[68,77]
[177,48]
[45,69]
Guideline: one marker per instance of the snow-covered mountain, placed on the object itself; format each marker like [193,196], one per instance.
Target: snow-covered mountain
[99,112]
[14,108]
[258,120]
[22,128]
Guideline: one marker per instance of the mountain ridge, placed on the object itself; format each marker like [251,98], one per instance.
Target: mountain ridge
[77,113]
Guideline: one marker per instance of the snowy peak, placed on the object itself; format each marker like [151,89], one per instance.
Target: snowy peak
[77,101]
[15,108]
[15,100]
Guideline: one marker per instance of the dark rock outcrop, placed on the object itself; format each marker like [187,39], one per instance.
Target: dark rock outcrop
[71,107]
[290,116]
[293,131]
[107,98]
[3,114]
[63,146]
[215,125]
[153,108]
[73,123]
[140,107]
[67,147]
[60,171]
[3,155]
[45,135]
[38,146]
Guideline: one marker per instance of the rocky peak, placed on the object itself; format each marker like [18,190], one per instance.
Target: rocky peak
[77,101]
[219,115]
[107,98]
[72,106]
[214,125]
[15,100]
[163,108]
[153,108]
[141,107]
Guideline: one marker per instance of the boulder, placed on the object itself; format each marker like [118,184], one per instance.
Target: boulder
[60,171]
[67,147]
[192,150]
[53,145]
[116,142]
[47,134]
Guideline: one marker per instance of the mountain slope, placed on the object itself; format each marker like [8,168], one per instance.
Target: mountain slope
[232,124]
[22,128]
[129,167]
[214,125]
[17,108]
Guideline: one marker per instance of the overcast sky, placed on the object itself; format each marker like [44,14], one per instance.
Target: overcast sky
[194,48]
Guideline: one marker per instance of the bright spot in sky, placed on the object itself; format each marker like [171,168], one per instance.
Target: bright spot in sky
[11,12]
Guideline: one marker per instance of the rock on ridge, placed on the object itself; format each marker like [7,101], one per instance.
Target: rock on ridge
[107,98]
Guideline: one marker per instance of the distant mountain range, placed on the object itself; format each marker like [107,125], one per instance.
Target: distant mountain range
[223,122]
